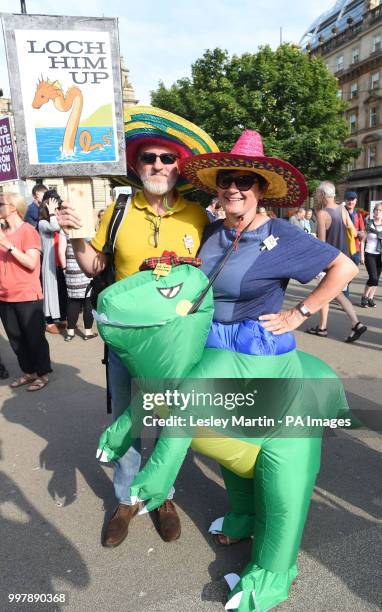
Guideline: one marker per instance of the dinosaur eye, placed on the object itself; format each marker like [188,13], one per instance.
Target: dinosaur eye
[170,292]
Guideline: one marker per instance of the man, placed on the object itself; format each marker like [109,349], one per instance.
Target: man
[158,218]
[299,220]
[357,220]
[332,221]
[311,221]
[33,212]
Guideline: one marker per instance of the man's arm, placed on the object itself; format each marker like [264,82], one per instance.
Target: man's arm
[91,261]
[321,225]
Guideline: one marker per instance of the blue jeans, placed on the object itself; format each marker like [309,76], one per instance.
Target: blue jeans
[128,466]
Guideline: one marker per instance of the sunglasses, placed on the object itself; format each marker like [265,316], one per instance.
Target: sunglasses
[243,182]
[154,238]
[166,158]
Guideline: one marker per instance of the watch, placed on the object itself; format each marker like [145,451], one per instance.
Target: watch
[303,310]
[11,248]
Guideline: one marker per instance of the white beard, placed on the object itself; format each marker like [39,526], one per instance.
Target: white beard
[158,187]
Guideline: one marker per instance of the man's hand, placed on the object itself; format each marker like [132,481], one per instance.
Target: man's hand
[67,217]
[282,322]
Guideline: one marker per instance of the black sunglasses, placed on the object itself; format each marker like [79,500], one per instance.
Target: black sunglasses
[166,158]
[243,182]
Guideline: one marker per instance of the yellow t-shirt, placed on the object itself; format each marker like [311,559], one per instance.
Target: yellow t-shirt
[180,230]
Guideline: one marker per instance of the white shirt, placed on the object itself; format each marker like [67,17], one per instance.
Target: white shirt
[372,241]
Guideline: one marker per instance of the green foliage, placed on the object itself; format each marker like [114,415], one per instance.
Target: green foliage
[290,98]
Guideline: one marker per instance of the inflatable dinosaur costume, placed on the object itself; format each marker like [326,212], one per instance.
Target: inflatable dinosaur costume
[269,478]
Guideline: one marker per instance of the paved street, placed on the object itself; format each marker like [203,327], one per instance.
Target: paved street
[54,494]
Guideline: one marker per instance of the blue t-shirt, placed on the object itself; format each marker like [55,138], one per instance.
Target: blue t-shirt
[253,281]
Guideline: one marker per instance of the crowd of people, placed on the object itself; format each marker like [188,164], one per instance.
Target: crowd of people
[64,285]
[42,289]
[44,275]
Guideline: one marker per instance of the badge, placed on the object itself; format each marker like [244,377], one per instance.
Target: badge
[161,269]
[183,307]
[188,242]
[269,243]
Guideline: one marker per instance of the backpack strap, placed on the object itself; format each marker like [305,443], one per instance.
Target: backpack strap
[120,209]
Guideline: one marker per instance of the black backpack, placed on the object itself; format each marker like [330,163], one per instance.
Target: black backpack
[107,276]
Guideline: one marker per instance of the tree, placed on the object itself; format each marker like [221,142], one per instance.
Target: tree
[286,95]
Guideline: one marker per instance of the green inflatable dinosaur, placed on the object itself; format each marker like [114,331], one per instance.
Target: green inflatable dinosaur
[269,475]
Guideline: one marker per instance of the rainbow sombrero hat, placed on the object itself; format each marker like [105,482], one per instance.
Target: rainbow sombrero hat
[286,184]
[150,125]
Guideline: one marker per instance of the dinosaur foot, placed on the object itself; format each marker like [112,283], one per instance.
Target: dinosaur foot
[258,590]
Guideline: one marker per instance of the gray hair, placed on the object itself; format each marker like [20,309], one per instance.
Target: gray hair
[327,188]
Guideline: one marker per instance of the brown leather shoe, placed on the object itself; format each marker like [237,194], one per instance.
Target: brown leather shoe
[118,526]
[168,521]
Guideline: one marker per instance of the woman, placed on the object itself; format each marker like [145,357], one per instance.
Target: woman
[373,256]
[253,282]
[21,302]
[257,257]
[77,283]
[48,227]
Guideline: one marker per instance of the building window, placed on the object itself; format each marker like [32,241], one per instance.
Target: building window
[353,122]
[340,63]
[373,117]
[339,94]
[377,42]
[353,90]
[371,154]
[355,55]
[375,80]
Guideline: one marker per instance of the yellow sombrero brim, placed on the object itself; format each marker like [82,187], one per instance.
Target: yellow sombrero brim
[286,184]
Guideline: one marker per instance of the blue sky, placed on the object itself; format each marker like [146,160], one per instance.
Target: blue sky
[160,39]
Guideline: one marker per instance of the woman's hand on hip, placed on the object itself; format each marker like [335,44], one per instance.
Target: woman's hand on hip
[283,321]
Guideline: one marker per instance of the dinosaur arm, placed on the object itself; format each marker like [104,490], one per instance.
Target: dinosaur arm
[116,440]
[154,482]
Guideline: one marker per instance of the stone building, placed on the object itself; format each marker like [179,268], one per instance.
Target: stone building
[349,38]
[101,187]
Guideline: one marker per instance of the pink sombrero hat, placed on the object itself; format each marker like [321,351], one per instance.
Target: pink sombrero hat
[286,185]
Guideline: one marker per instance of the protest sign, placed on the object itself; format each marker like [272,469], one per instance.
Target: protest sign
[66,95]
[8,168]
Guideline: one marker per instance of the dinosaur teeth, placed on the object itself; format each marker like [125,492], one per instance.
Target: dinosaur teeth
[170,292]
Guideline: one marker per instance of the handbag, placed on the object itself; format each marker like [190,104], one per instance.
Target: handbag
[350,239]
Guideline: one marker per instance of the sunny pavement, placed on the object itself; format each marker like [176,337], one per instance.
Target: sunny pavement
[53,496]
